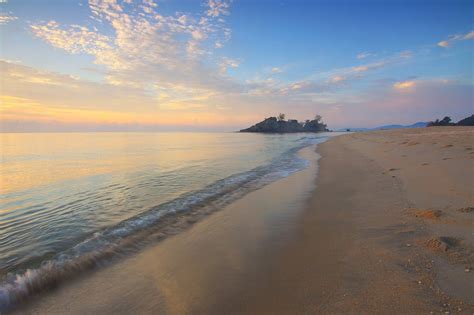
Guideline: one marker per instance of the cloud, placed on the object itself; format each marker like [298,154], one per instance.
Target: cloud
[76,39]
[276,70]
[364,55]
[432,98]
[228,63]
[405,54]
[403,85]
[337,79]
[146,46]
[164,69]
[454,38]
[217,7]
[6,18]
[321,84]
[29,95]
[469,35]
[443,44]
[367,67]
[38,100]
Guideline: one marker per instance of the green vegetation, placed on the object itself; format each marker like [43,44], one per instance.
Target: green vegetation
[280,125]
[446,121]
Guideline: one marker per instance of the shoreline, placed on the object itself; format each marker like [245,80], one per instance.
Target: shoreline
[191,271]
[356,238]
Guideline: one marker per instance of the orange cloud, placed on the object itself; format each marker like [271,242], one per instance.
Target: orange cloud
[404,85]
[337,79]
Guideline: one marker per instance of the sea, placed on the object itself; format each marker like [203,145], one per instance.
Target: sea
[71,202]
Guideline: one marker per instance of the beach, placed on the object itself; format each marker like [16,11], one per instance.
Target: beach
[381,223]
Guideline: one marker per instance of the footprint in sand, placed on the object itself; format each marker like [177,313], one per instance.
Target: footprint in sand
[466,209]
[448,146]
[429,214]
[393,169]
[443,243]
[424,164]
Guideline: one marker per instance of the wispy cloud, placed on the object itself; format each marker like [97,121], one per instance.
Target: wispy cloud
[337,79]
[276,70]
[454,38]
[364,55]
[321,83]
[6,17]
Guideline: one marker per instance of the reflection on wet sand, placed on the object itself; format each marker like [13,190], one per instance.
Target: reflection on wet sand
[200,269]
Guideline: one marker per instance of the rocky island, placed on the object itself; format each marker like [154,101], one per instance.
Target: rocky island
[280,125]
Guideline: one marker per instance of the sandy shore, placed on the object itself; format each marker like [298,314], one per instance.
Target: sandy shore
[386,227]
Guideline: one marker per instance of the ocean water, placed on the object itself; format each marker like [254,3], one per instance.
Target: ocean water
[73,201]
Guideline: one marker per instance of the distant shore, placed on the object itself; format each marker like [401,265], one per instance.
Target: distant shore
[385,227]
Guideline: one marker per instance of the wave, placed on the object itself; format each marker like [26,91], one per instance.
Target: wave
[154,224]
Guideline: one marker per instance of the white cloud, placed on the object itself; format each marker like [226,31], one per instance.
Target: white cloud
[469,35]
[76,39]
[443,44]
[364,55]
[454,38]
[276,70]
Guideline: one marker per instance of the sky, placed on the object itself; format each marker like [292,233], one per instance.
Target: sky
[108,65]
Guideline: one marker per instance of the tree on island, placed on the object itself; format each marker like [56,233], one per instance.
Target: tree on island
[468,121]
[280,125]
[446,121]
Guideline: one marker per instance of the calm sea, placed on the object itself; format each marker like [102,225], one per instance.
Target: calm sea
[72,200]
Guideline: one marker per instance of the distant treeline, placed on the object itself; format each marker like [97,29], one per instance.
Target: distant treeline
[280,125]
[446,121]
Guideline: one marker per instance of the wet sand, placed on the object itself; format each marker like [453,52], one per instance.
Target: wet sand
[386,227]
[208,268]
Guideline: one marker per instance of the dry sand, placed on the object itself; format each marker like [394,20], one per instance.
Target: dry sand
[388,229]
[366,241]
